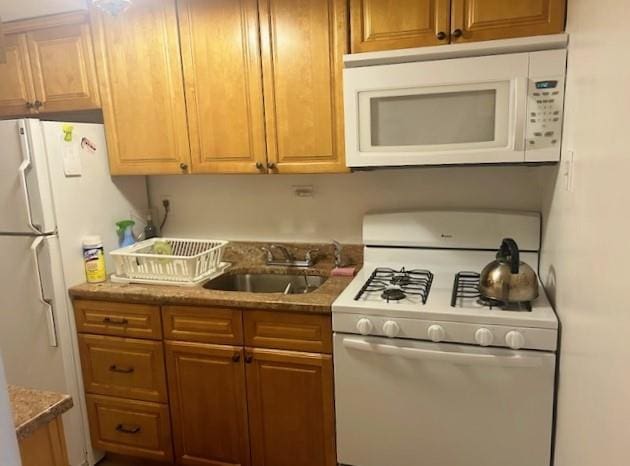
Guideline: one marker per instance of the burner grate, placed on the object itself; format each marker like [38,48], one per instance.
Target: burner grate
[398,284]
[466,286]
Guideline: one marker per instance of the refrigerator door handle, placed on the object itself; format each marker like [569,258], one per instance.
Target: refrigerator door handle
[24,166]
[50,316]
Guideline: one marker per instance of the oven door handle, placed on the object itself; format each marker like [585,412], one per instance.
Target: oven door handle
[463,359]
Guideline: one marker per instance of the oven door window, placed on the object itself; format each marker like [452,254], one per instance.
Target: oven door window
[435,119]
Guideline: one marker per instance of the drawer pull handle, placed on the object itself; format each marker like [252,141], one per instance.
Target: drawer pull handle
[113,321]
[249,359]
[236,357]
[122,370]
[128,430]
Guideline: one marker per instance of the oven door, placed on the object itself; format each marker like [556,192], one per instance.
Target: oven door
[405,403]
[459,111]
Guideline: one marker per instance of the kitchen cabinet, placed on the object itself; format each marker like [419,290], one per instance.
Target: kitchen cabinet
[45,447]
[227,86]
[50,66]
[290,401]
[384,24]
[208,403]
[140,74]
[224,94]
[240,384]
[303,42]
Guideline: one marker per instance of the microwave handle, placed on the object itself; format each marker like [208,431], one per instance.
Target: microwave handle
[520,110]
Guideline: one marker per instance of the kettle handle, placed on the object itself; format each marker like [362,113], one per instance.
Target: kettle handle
[510,248]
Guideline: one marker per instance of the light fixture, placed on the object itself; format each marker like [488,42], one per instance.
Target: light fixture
[113,7]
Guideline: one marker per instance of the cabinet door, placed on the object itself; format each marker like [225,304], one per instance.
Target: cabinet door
[64,74]
[224,96]
[208,403]
[303,42]
[398,24]
[16,85]
[139,65]
[500,19]
[290,402]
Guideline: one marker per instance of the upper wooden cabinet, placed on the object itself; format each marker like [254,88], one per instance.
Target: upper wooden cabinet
[386,24]
[303,42]
[224,94]
[50,66]
[140,73]
[500,19]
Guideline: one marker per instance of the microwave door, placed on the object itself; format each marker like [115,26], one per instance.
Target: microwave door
[467,123]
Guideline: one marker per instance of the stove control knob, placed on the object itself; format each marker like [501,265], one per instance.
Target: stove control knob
[484,337]
[436,333]
[391,329]
[364,326]
[515,340]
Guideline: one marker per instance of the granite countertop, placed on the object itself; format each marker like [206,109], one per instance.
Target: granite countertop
[245,258]
[33,409]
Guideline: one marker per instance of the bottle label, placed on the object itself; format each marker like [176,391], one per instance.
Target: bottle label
[94,260]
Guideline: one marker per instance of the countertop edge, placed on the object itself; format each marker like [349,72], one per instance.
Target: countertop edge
[50,412]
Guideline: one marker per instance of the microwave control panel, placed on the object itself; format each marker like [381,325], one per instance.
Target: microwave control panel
[545,105]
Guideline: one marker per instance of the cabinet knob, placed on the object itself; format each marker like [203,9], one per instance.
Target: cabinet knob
[457,33]
[260,166]
[236,357]
[183,166]
[37,104]
[249,358]
[271,166]
[441,35]
[30,105]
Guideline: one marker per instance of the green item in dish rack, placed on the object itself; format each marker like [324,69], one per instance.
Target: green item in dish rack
[163,248]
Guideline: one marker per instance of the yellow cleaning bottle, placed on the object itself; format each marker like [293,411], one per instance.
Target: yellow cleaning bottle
[94,259]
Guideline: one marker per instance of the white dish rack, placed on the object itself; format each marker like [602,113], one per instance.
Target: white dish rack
[183,262]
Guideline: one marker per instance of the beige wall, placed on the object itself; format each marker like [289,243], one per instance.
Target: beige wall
[18,9]
[247,207]
[586,241]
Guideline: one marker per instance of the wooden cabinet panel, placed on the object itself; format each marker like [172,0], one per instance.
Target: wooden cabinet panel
[123,367]
[139,65]
[499,19]
[291,413]
[208,404]
[303,42]
[45,447]
[203,324]
[63,67]
[287,330]
[16,85]
[118,319]
[224,95]
[398,24]
[135,428]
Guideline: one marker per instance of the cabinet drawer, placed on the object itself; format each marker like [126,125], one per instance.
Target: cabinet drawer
[123,367]
[135,428]
[120,319]
[203,324]
[291,331]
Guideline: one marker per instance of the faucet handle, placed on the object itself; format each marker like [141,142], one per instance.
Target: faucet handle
[268,252]
[339,262]
[311,255]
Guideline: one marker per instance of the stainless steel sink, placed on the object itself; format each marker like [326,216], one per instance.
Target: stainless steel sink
[266,283]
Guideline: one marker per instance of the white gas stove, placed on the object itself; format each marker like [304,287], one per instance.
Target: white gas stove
[416,343]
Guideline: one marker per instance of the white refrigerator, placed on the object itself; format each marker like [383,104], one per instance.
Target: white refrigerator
[55,188]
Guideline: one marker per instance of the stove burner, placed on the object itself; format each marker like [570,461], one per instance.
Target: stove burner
[394,294]
[466,286]
[396,285]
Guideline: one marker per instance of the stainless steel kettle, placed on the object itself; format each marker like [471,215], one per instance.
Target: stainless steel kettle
[507,279]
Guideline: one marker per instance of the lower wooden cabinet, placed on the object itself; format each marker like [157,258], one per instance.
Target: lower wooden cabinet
[291,408]
[208,403]
[269,403]
[45,447]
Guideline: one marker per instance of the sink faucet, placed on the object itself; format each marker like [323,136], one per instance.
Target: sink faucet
[288,259]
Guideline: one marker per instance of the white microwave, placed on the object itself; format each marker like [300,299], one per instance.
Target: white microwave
[505,108]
